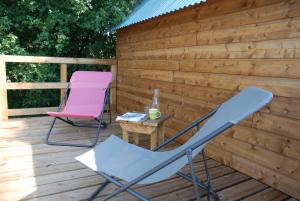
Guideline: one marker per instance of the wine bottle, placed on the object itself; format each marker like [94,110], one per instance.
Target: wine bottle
[155,100]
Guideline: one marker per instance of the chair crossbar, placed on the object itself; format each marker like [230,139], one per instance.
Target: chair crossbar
[200,184]
[72,123]
[93,196]
[119,184]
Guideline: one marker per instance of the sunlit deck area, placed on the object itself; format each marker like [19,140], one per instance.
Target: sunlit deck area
[32,170]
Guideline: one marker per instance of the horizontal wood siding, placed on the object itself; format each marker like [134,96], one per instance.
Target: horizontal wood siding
[201,56]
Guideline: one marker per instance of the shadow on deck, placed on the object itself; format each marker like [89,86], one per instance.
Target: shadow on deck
[32,170]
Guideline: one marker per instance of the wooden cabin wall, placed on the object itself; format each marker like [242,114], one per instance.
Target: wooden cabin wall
[201,56]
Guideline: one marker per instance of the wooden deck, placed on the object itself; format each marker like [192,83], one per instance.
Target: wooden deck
[32,170]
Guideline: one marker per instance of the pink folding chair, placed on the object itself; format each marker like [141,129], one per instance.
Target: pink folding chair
[85,98]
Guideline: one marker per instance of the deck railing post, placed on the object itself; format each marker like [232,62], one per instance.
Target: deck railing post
[63,78]
[113,90]
[3,90]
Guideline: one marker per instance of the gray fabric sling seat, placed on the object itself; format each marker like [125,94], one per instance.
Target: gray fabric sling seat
[117,158]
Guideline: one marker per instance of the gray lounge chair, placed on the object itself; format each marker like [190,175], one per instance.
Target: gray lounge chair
[115,158]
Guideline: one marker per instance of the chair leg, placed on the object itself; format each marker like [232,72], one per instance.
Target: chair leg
[98,133]
[71,144]
[103,125]
[98,190]
[208,179]
[109,106]
[200,183]
[192,170]
[49,132]
[119,184]
[207,175]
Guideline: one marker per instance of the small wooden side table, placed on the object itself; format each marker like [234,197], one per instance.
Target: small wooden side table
[154,128]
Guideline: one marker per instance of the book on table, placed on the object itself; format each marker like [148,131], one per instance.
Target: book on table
[131,116]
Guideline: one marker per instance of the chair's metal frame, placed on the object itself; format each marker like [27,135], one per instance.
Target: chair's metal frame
[99,120]
[187,152]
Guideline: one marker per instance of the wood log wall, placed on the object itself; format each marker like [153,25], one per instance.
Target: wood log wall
[201,56]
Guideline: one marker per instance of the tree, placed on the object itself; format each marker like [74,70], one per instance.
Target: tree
[71,28]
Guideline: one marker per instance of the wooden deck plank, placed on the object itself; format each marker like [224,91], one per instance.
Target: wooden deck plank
[245,188]
[268,194]
[32,170]
[218,183]
[11,186]
[291,199]
[49,169]
[70,133]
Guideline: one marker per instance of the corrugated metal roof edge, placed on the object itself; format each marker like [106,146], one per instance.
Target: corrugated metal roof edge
[117,27]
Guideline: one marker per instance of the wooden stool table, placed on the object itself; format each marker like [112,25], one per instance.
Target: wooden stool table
[154,128]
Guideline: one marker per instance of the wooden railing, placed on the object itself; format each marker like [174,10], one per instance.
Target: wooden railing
[63,61]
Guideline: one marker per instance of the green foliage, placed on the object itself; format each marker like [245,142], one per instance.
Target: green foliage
[70,28]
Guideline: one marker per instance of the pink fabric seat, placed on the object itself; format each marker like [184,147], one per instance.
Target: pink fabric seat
[87,95]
